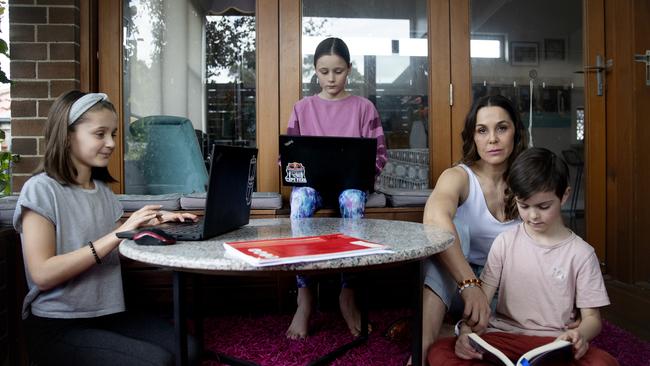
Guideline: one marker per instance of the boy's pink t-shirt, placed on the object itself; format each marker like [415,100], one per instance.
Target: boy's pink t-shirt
[540,286]
[352,116]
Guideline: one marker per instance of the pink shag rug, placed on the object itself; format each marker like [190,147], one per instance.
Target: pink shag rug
[261,339]
[623,345]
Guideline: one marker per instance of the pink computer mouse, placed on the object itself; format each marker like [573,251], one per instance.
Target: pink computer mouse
[153,236]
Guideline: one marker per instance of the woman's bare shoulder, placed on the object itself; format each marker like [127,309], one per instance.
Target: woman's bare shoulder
[454,177]
[450,191]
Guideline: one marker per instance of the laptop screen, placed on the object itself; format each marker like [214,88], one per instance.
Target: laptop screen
[328,163]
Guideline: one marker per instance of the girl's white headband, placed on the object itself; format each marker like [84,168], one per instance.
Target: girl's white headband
[83,104]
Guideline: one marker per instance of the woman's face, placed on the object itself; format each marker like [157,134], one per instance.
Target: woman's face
[494,135]
[332,72]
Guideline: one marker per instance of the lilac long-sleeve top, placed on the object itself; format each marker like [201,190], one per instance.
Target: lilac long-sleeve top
[352,116]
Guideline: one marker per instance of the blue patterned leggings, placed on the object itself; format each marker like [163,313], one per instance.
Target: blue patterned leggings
[306,200]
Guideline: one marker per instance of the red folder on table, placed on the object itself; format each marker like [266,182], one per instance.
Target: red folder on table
[272,252]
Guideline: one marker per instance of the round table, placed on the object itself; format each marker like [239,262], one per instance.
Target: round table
[409,242]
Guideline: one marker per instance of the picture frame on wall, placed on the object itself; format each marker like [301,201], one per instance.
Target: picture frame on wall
[524,53]
[554,49]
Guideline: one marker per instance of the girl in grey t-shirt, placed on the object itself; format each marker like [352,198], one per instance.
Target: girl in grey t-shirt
[67,217]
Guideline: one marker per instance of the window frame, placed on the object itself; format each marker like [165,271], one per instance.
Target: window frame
[279,79]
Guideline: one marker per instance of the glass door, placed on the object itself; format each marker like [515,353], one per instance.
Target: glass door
[532,52]
[185,63]
[390,65]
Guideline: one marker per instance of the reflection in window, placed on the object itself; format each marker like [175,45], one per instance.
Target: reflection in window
[189,59]
[580,124]
[539,75]
[389,55]
[230,74]
[485,48]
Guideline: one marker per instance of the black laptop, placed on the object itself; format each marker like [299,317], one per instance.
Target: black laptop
[231,183]
[330,164]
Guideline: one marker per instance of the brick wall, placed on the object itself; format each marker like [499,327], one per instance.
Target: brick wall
[44,49]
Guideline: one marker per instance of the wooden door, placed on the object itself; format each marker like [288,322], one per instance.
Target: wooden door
[109,65]
[628,172]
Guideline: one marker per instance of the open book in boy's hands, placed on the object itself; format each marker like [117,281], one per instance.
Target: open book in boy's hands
[549,354]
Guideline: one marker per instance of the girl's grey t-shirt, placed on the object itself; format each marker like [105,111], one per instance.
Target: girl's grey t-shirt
[79,216]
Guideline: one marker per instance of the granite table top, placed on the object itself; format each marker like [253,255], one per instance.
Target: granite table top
[409,241]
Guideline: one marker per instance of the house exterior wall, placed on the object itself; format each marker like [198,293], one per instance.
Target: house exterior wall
[44,49]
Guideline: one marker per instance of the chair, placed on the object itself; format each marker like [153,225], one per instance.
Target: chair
[164,157]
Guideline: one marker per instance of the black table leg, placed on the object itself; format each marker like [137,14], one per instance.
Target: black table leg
[197,310]
[180,316]
[362,303]
[180,325]
[417,319]
[197,291]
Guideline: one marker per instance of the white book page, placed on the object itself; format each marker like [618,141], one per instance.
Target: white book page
[489,352]
[528,358]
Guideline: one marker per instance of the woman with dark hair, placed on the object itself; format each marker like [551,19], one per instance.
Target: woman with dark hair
[469,200]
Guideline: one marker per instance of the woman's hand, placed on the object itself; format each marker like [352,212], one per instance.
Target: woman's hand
[465,350]
[166,216]
[580,345]
[477,309]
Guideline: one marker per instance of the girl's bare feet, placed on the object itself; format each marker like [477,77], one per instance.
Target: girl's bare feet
[300,323]
[350,311]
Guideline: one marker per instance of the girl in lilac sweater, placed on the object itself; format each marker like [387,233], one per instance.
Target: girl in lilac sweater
[332,112]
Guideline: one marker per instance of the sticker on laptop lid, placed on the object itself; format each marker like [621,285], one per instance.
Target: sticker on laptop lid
[252,169]
[295,173]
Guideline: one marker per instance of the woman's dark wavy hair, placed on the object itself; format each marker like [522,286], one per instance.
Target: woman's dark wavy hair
[332,46]
[537,170]
[57,162]
[470,153]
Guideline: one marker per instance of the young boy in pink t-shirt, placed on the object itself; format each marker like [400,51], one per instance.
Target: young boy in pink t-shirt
[543,272]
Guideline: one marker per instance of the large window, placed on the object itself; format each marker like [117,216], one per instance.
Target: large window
[388,46]
[192,62]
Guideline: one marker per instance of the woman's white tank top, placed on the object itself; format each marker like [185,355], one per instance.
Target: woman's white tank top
[483,227]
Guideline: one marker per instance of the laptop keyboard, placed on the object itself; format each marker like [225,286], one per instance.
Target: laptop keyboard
[184,229]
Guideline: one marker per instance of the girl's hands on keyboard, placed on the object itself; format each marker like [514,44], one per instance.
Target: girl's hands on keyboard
[167,216]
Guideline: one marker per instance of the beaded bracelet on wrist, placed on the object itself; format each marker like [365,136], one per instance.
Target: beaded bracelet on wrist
[472,282]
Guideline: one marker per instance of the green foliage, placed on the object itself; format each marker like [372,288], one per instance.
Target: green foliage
[313,28]
[6,160]
[6,157]
[154,29]
[231,46]
[4,48]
